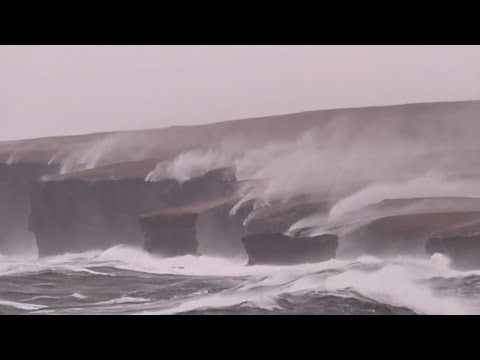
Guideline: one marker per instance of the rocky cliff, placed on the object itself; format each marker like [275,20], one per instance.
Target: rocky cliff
[205,228]
[96,200]
[171,234]
[72,214]
[16,182]
[280,249]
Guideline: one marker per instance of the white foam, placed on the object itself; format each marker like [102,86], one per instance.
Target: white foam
[43,297]
[22,306]
[398,285]
[123,300]
[78,296]
[12,158]
[398,281]
[15,265]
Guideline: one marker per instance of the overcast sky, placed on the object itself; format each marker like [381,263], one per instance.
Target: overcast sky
[57,90]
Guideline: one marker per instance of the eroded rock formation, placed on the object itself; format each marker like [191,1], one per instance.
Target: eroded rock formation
[220,233]
[280,249]
[180,231]
[170,234]
[97,208]
[15,187]
[73,214]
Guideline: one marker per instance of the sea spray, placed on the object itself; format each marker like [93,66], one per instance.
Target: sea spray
[220,283]
[105,150]
[190,164]
[429,185]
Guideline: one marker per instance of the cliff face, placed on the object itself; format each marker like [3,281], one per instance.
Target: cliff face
[171,235]
[280,249]
[75,215]
[220,233]
[208,228]
[81,210]
[204,228]
[15,187]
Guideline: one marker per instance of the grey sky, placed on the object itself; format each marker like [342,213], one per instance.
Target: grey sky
[57,90]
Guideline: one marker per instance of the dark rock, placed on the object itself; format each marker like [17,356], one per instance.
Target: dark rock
[86,213]
[220,233]
[178,231]
[280,249]
[15,186]
[170,235]
[76,215]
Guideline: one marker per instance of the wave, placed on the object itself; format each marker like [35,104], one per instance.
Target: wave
[78,296]
[21,306]
[399,282]
[64,264]
[123,300]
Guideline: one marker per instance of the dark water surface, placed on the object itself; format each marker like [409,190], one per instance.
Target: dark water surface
[123,280]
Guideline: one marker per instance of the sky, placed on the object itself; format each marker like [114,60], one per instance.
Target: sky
[63,90]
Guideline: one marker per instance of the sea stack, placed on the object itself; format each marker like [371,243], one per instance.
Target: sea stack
[280,249]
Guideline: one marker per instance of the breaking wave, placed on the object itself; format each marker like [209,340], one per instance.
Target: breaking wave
[96,282]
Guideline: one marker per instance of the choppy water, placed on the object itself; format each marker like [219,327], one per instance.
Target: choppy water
[124,280]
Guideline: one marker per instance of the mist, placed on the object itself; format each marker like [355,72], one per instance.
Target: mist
[348,163]
[60,90]
[105,150]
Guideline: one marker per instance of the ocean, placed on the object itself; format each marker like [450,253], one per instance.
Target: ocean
[125,280]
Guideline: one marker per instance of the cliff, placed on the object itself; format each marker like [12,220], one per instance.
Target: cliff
[423,121]
[201,228]
[72,215]
[16,182]
[97,199]
[280,249]
[171,235]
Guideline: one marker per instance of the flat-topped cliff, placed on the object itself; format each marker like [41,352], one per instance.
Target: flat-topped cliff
[76,193]
[78,215]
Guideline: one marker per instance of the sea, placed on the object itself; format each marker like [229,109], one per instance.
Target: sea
[129,281]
